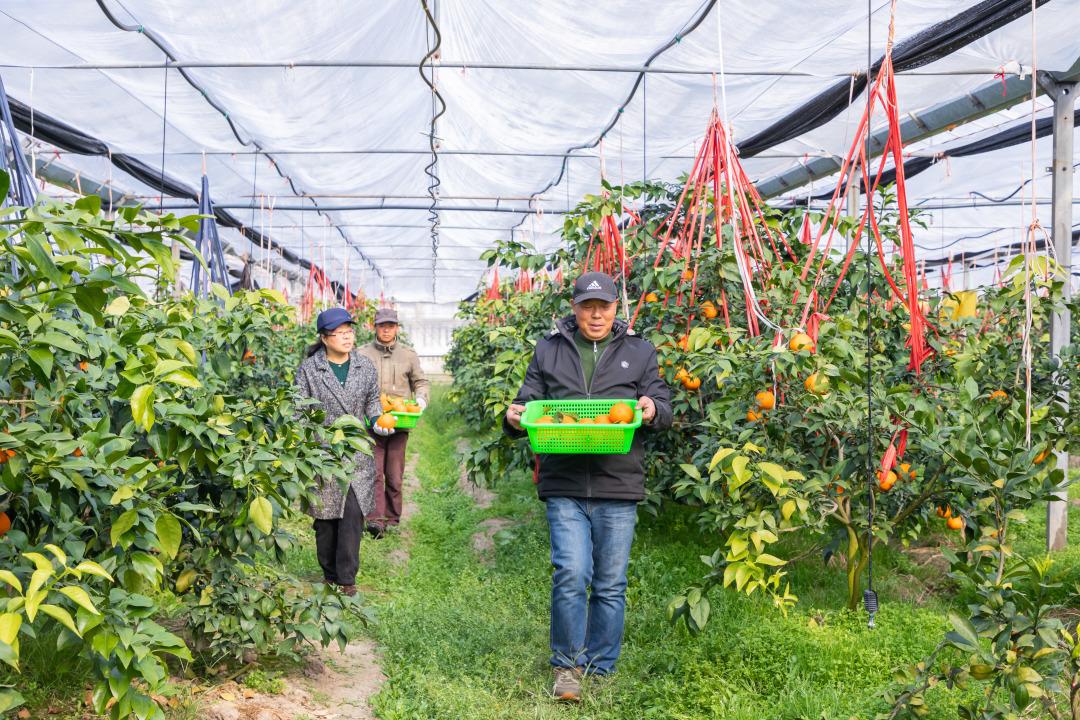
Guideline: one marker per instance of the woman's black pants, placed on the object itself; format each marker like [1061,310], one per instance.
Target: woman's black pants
[337,543]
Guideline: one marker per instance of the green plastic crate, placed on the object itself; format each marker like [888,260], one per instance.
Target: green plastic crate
[575,439]
[406,420]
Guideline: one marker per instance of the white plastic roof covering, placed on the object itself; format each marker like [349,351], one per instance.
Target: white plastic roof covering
[314,121]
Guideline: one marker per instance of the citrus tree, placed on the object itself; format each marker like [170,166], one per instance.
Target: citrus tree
[144,457]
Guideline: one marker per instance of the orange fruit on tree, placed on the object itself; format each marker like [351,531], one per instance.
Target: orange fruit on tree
[765,400]
[684,343]
[691,383]
[248,357]
[906,471]
[801,341]
[999,395]
[753,416]
[817,384]
[84,365]
[652,297]
[688,275]
[386,421]
[709,310]
[621,413]
[1042,456]
[955,522]
[839,489]
[78,452]
[681,374]
[886,480]
[5,523]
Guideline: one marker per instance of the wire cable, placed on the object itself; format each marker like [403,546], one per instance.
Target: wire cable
[432,168]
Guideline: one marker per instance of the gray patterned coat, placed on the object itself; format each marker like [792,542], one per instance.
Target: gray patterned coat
[359,398]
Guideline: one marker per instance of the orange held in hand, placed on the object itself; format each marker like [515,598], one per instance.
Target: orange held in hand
[621,413]
[386,421]
[765,400]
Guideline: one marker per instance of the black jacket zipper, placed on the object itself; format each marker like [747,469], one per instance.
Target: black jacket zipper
[588,395]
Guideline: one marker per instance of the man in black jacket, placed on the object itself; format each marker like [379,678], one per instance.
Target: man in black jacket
[591,499]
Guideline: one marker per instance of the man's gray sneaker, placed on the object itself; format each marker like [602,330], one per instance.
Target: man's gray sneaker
[567,684]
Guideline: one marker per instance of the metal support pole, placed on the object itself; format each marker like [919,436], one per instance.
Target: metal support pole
[1064,95]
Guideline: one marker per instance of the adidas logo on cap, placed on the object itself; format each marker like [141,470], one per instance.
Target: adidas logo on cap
[593,286]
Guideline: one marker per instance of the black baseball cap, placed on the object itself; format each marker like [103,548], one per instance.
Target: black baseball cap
[594,286]
[332,318]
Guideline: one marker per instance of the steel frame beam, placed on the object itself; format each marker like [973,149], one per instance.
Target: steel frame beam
[980,102]
[1064,94]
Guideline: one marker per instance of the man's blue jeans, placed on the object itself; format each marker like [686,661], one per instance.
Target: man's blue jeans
[590,547]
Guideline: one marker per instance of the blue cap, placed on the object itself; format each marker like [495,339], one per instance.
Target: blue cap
[332,318]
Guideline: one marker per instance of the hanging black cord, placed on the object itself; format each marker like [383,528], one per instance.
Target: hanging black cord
[432,169]
[870,600]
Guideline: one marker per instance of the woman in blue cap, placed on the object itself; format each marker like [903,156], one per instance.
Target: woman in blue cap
[345,383]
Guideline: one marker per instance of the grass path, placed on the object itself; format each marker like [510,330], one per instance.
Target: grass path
[464,635]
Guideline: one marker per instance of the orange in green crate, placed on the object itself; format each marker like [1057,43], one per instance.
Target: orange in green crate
[570,427]
[406,420]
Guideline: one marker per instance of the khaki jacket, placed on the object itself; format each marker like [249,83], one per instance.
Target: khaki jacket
[399,370]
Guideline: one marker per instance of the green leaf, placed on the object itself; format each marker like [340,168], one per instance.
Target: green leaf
[720,455]
[971,388]
[142,406]
[124,492]
[9,699]
[9,627]
[80,597]
[42,358]
[771,560]
[118,307]
[691,471]
[60,615]
[261,514]
[41,254]
[965,630]
[9,577]
[164,367]
[59,340]
[739,470]
[92,568]
[699,612]
[41,562]
[182,378]
[57,553]
[123,523]
[168,534]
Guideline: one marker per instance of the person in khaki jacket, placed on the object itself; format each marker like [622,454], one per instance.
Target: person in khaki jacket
[399,372]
